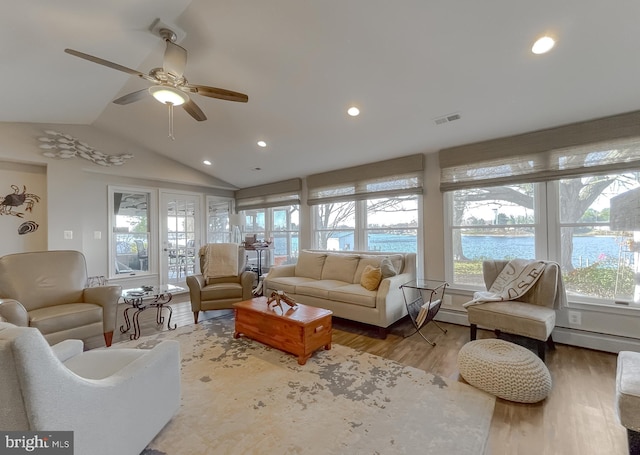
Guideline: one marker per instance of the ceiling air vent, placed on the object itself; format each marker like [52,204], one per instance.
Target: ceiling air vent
[447,118]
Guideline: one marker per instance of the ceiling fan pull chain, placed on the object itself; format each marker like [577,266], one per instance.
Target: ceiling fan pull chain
[171,121]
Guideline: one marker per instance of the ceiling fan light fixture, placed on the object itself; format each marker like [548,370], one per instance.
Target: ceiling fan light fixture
[166,95]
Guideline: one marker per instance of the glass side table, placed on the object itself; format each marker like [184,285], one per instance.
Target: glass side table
[144,297]
[423,299]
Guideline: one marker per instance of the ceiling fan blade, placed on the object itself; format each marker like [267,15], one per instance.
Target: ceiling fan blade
[132,97]
[194,111]
[219,93]
[109,64]
[175,59]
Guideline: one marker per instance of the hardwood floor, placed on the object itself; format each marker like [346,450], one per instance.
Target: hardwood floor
[578,417]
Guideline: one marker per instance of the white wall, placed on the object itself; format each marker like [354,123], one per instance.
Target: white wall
[75,195]
[34,179]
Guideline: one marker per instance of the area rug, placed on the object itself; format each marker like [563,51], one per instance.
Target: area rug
[242,397]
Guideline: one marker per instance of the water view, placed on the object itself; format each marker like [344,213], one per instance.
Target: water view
[586,250]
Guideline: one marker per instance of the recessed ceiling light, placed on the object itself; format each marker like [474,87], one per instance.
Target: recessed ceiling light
[353,111]
[543,45]
[262,144]
[207,162]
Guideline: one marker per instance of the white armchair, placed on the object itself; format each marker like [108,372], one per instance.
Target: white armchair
[114,400]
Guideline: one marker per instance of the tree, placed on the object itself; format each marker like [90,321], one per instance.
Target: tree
[582,192]
[521,195]
[576,197]
[335,216]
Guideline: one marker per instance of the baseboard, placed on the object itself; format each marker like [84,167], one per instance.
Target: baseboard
[572,337]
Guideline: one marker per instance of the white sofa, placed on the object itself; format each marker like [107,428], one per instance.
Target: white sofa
[332,280]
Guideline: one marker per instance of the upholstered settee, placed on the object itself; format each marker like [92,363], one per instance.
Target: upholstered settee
[48,290]
[334,280]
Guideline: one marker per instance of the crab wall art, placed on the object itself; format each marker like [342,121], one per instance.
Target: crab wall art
[11,203]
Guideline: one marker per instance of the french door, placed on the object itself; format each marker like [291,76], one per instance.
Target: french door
[180,235]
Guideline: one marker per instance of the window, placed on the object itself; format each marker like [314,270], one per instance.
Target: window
[218,215]
[272,212]
[285,230]
[569,194]
[368,207]
[131,251]
[597,261]
[384,224]
[490,223]
[392,224]
[255,223]
[335,226]
[282,226]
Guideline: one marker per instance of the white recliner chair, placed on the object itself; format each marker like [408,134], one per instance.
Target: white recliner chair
[114,400]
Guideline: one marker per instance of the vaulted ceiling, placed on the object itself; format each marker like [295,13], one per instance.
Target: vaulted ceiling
[302,63]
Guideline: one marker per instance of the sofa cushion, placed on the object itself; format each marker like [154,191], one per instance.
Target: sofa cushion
[341,267]
[513,316]
[310,264]
[287,283]
[319,288]
[371,277]
[221,280]
[354,294]
[219,291]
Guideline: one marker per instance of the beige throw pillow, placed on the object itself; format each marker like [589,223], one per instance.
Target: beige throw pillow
[387,268]
[371,277]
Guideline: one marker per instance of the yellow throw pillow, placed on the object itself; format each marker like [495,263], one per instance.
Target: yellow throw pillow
[371,277]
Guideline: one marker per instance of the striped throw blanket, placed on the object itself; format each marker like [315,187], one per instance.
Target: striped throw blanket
[517,277]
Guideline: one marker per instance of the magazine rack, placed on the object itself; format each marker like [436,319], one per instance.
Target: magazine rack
[423,299]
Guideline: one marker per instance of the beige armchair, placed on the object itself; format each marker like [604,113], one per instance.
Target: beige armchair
[217,290]
[48,290]
[114,400]
[533,315]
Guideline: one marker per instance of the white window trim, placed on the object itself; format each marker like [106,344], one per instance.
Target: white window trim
[153,247]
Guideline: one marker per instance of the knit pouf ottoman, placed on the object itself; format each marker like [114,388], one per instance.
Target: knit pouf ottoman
[505,370]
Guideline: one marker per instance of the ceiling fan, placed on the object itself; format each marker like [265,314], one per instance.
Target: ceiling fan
[169,84]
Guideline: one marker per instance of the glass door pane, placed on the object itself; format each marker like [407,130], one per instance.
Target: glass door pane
[180,237]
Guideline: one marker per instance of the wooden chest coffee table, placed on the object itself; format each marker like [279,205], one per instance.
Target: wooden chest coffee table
[299,331]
